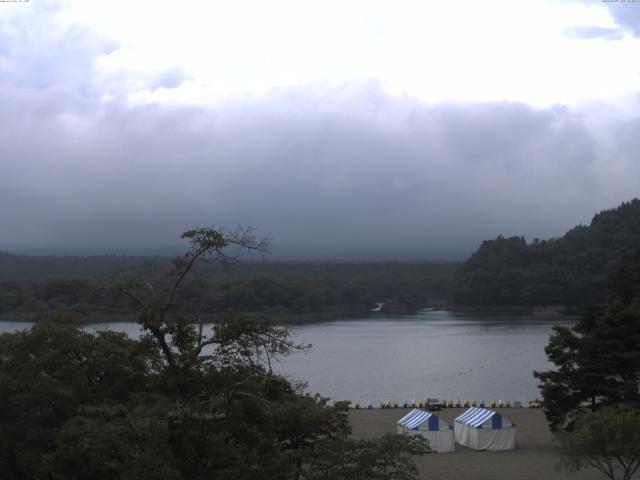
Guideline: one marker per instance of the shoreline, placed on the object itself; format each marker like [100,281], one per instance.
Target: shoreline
[286,319]
[535,310]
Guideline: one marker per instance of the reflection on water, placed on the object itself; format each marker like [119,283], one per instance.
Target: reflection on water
[433,354]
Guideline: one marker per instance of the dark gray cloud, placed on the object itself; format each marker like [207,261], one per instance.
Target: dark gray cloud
[349,171]
[592,32]
[337,171]
[626,14]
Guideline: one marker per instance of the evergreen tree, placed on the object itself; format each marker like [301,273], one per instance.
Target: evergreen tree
[598,359]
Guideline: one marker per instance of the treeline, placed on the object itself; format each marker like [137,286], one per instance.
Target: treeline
[26,299]
[571,270]
[99,267]
[35,286]
[271,294]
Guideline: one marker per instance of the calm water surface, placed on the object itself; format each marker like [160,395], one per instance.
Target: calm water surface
[434,354]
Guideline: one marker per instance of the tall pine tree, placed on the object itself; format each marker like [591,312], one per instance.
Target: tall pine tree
[598,359]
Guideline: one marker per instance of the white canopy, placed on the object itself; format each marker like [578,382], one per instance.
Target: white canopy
[433,428]
[483,429]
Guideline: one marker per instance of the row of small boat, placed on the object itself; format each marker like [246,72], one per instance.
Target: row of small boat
[437,405]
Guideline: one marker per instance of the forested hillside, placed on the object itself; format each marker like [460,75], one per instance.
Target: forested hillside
[571,270]
[31,287]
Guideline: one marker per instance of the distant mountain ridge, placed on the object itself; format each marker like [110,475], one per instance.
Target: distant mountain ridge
[569,270]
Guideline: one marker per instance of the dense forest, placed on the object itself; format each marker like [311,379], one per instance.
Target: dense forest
[571,270]
[32,287]
[182,402]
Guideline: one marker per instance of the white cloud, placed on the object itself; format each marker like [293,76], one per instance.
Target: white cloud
[437,51]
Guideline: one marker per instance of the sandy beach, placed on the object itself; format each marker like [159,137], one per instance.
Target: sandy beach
[535,458]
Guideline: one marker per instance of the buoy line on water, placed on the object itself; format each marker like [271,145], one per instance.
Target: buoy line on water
[508,357]
[457,403]
[448,404]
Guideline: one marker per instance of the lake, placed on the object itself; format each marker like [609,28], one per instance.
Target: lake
[442,354]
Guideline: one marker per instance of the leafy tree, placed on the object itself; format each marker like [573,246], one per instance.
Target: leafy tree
[385,459]
[111,442]
[183,402]
[608,440]
[48,373]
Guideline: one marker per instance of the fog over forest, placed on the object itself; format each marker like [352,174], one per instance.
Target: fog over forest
[345,169]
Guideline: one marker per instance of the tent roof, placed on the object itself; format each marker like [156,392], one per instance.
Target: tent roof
[415,418]
[474,417]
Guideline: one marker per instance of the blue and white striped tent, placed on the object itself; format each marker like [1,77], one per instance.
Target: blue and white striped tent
[484,429]
[433,428]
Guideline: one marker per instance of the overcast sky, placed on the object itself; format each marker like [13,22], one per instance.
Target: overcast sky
[404,129]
